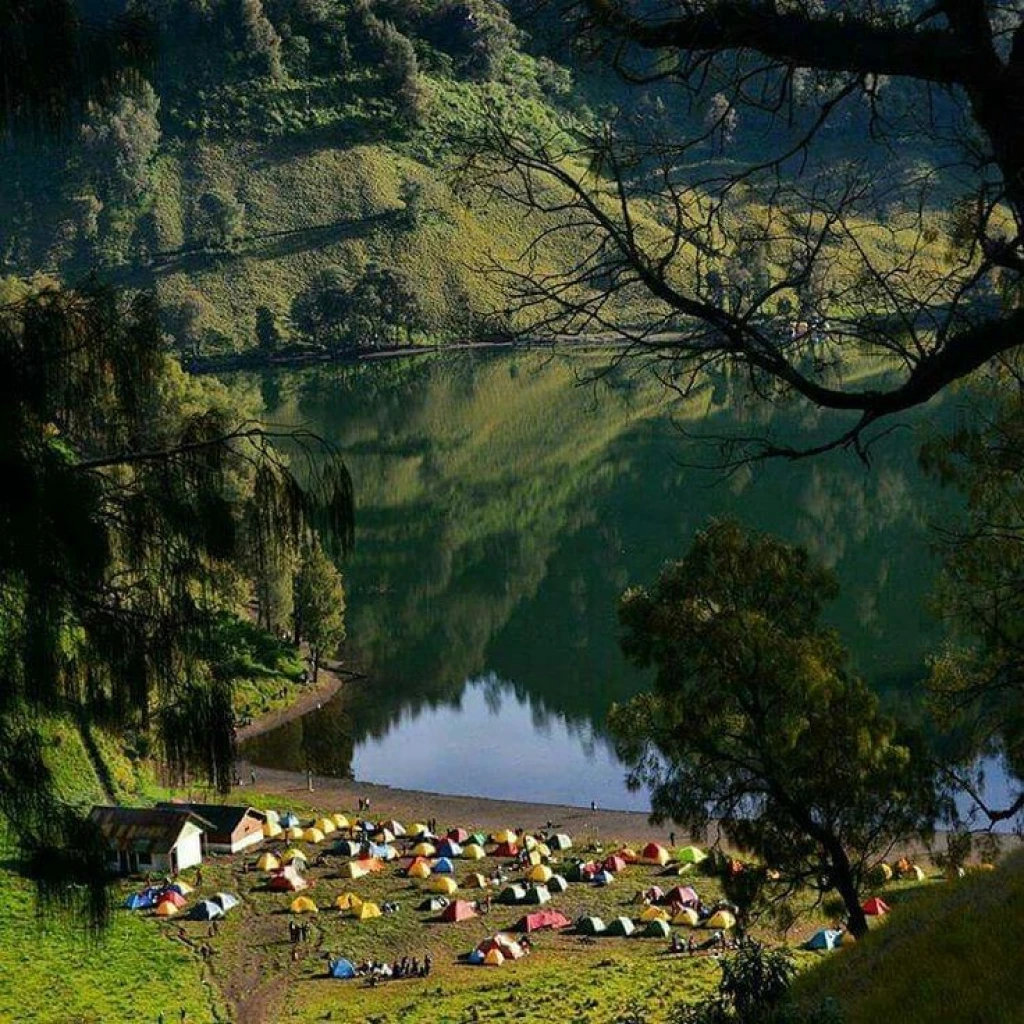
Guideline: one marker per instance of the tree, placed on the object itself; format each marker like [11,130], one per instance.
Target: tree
[319,605]
[908,118]
[755,723]
[219,220]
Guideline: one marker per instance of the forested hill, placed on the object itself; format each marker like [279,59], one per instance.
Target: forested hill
[283,172]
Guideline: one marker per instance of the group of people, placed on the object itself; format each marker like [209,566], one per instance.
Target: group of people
[407,967]
[298,931]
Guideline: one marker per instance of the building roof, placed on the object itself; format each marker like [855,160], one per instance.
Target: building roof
[144,829]
[223,818]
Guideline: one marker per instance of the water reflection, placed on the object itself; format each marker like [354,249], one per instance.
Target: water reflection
[501,511]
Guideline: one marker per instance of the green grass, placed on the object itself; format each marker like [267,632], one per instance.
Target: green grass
[948,953]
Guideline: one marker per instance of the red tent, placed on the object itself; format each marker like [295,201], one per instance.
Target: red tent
[506,850]
[542,919]
[685,896]
[614,864]
[875,907]
[407,865]
[458,910]
[171,896]
[652,851]
[287,879]
[458,835]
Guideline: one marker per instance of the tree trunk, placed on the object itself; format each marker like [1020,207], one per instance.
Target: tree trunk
[842,879]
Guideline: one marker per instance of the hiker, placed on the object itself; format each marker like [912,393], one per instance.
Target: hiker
[593,805]
[309,779]
[252,777]
[199,877]
[689,945]
[672,839]
[428,963]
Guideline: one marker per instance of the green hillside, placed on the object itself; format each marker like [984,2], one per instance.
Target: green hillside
[949,953]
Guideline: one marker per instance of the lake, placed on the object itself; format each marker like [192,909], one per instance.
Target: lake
[503,504]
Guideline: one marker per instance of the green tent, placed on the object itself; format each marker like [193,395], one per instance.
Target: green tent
[621,926]
[691,855]
[590,926]
[658,929]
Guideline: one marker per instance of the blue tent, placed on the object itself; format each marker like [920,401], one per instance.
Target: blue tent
[449,848]
[476,957]
[287,820]
[142,900]
[342,968]
[604,878]
[206,910]
[824,938]
[385,852]
[444,866]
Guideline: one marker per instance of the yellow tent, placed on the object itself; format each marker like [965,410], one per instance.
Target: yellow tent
[268,862]
[534,857]
[654,914]
[367,910]
[313,835]
[165,909]
[420,870]
[691,855]
[271,830]
[325,824]
[916,873]
[543,849]
[272,816]
[494,958]
[720,919]
[340,821]
[442,883]
[348,901]
[293,854]
[687,916]
[476,881]
[183,887]
[540,873]
[530,843]
[294,833]
[473,852]
[353,869]
[628,854]
[424,850]
[416,828]
[303,905]
[506,835]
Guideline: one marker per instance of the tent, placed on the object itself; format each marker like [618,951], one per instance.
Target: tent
[206,910]
[226,899]
[614,863]
[458,835]
[166,909]
[530,842]
[478,839]
[653,893]
[384,836]
[542,919]
[494,958]
[628,855]
[170,896]
[654,853]
[621,926]
[292,855]
[506,835]
[287,879]
[268,862]
[722,919]
[371,863]
[512,894]
[443,866]
[475,881]
[303,905]
[340,821]
[294,833]
[396,828]
[687,916]
[367,910]
[603,878]
[347,848]
[537,894]
[325,824]
[341,968]
[505,944]
[313,835]
[590,926]
[420,869]
[556,883]
[539,873]
[559,841]
[506,850]
[534,857]
[449,848]
[272,816]
[582,872]
[473,852]
[475,957]
[348,901]
[654,914]
[876,907]
[685,896]
[287,820]
[458,910]
[915,873]
[657,930]
[443,883]
[424,850]
[353,869]
[824,938]
[142,900]
[433,903]
[691,855]
[271,830]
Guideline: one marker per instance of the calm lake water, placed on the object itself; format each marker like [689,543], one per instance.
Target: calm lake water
[503,506]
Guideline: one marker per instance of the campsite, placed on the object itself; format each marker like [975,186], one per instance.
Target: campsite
[244,965]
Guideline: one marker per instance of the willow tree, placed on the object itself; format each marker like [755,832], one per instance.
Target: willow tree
[790,193]
[756,725]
